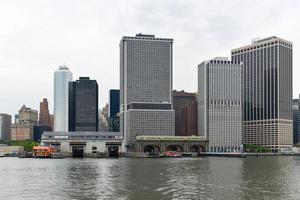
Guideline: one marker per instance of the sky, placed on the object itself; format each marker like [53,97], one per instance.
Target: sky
[37,36]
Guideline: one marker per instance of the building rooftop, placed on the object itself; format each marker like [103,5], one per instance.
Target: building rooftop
[255,43]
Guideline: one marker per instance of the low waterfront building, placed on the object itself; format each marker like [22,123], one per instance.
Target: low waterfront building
[80,144]
[161,144]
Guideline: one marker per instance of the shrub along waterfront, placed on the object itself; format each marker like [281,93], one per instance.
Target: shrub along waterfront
[251,148]
[27,144]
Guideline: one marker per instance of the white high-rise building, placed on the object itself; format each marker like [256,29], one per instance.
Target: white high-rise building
[145,88]
[62,77]
[220,104]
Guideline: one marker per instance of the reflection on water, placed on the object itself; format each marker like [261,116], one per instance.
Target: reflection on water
[187,178]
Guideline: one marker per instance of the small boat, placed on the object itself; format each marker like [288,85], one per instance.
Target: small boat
[2,154]
[173,154]
[57,155]
[42,152]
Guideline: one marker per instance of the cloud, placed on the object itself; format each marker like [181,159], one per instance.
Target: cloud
[38,36]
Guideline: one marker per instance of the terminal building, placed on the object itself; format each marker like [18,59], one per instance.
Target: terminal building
[84,144]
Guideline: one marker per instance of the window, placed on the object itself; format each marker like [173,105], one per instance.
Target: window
[94,149]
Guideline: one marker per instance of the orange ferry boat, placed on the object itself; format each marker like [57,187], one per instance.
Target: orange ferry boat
[42,152]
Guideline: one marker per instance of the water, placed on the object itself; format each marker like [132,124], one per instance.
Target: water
[124,178]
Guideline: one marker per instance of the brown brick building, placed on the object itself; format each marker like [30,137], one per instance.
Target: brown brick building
[21,131]
[44,117]
[180,99]
[188,119]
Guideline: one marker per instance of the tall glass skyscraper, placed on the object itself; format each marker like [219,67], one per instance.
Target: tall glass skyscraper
[83,105]
[114,109]
[267,92]
[145,87]
[62,77]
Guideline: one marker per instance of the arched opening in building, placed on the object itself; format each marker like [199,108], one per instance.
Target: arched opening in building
[177,148]
[77,151]
[151,149]
[113,151]
[197,148]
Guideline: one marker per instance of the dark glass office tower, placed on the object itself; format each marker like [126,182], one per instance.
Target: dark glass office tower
[267,92]
[83,105]
[114,109]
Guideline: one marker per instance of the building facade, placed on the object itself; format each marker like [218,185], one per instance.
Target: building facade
[145,88]
[38,131]
[83,105]
[179,100]
[27,115]
[5,127]
[44,115]
[22,131]
[295,121]
[85,144]
[220,104]
[62,77]
[189,119]
[267,92]
[114,109]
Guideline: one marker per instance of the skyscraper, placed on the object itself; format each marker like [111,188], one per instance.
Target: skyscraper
[114,109]
[83,105]
[145,88]
[189,119]
[220,104]
[44,117]
[62,77]
[267,92]
[179,100]
[5,127]
[295,121]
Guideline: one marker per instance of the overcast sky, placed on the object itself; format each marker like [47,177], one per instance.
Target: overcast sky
[36,36]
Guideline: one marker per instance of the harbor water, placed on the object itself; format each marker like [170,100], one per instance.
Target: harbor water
[273,177]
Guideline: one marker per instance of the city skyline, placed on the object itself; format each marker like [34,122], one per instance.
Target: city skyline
[36,41]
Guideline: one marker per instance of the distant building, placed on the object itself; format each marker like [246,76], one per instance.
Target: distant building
[114,109]
[27,115]
[179,100]
[188,119]
[103,123]
[83,105]
[22,131]
[267,92]
[146,65]
[62,77]
[44,117]
[52,122]
[38,131]
[5,127]
[16,118]
[296,121]
[220,104]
